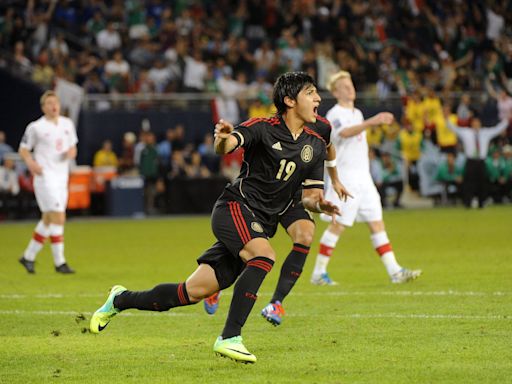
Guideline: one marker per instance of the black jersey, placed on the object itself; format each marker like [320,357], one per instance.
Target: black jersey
[275,165]
[323,128]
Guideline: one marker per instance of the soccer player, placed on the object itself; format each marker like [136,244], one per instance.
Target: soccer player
[52,138]
[349,137]
[300,226]
[281,156]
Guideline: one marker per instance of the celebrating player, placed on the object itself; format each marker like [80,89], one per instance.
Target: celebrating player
[281,155]
[52,138]
[299,225]
[349,137]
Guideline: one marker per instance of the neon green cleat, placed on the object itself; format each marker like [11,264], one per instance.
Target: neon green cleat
[106,312]
[234,349]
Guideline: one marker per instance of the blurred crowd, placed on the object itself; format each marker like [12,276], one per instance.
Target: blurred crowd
[425,51]
[146,46]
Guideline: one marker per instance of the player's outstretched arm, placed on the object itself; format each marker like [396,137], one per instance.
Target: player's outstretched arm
[224,141]
[378,119]
[313,200]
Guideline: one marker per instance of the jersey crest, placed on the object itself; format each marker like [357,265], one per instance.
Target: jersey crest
[307,153]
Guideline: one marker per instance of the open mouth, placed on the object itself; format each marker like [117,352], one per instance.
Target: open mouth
[315,110]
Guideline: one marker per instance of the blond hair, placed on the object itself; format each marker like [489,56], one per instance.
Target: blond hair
[46,95]
[334,78]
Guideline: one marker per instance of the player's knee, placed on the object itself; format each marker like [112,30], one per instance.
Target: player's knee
[304,238]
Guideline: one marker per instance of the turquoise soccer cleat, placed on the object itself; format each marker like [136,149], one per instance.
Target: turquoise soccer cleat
[106,312]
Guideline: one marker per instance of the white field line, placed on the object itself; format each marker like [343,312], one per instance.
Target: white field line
[346,315]
[320,292]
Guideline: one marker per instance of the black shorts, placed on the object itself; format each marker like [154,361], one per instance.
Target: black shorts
[234,225]
[295,211]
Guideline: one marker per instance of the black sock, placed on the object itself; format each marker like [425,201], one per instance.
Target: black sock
[161,298]
[245,294]
[290,271]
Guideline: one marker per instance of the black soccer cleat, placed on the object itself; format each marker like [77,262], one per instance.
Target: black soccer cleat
[64,268]
[29,265]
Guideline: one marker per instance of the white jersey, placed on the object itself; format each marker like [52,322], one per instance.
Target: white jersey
[352,159]
[50,142]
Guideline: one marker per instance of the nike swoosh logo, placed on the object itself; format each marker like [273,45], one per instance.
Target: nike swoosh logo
[100,328]
[234,350]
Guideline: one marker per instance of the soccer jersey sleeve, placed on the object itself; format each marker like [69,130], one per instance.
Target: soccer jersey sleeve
[249,132]
[315,178]
[323,127]
[73,138]
[28,141]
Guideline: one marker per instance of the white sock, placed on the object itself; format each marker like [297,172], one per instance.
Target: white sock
[327,244]
[57,239]
[41,232]
[382,245]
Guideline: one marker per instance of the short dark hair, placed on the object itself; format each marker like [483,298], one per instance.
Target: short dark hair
[289,84]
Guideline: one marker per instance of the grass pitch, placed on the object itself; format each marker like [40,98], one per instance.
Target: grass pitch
[453,325]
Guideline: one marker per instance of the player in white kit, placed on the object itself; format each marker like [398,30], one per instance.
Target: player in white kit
[349,136]
[52,138]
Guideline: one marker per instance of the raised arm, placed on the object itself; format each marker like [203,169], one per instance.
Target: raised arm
[224,142]
[378,119]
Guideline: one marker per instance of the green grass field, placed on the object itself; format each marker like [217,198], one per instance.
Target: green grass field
[453,325]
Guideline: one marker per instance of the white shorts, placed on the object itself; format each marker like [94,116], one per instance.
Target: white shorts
[51,196]
[365,206]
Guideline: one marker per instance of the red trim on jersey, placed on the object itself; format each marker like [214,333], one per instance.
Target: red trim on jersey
[325,250]
[301,249]
[384,249]
[252,121]
[309,131]
[57,239]
[238,220]
[260,264]
[323,120]
[272,121]
[38,237]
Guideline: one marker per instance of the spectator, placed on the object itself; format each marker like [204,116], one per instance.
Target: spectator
[22,61]
[195,72]
[9,187]
[476,141]
[4,147]
[43,72]
[117,73]
[109,39]
[450,175]
[497,169]
[127,159]
[409,142]
[149,170]
[105,157]
[208,155]
[392,180]
[164,148]
[159,76]
[504,103]
[464,112]
[196,168]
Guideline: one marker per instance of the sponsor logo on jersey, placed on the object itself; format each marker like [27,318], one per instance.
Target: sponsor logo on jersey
[307,153]
[277,146]
[256,227]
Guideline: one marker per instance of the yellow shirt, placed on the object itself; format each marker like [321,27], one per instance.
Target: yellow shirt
[374,136]
[103,158]
[445,137]
[261,110]
[414,111]
[410,144]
